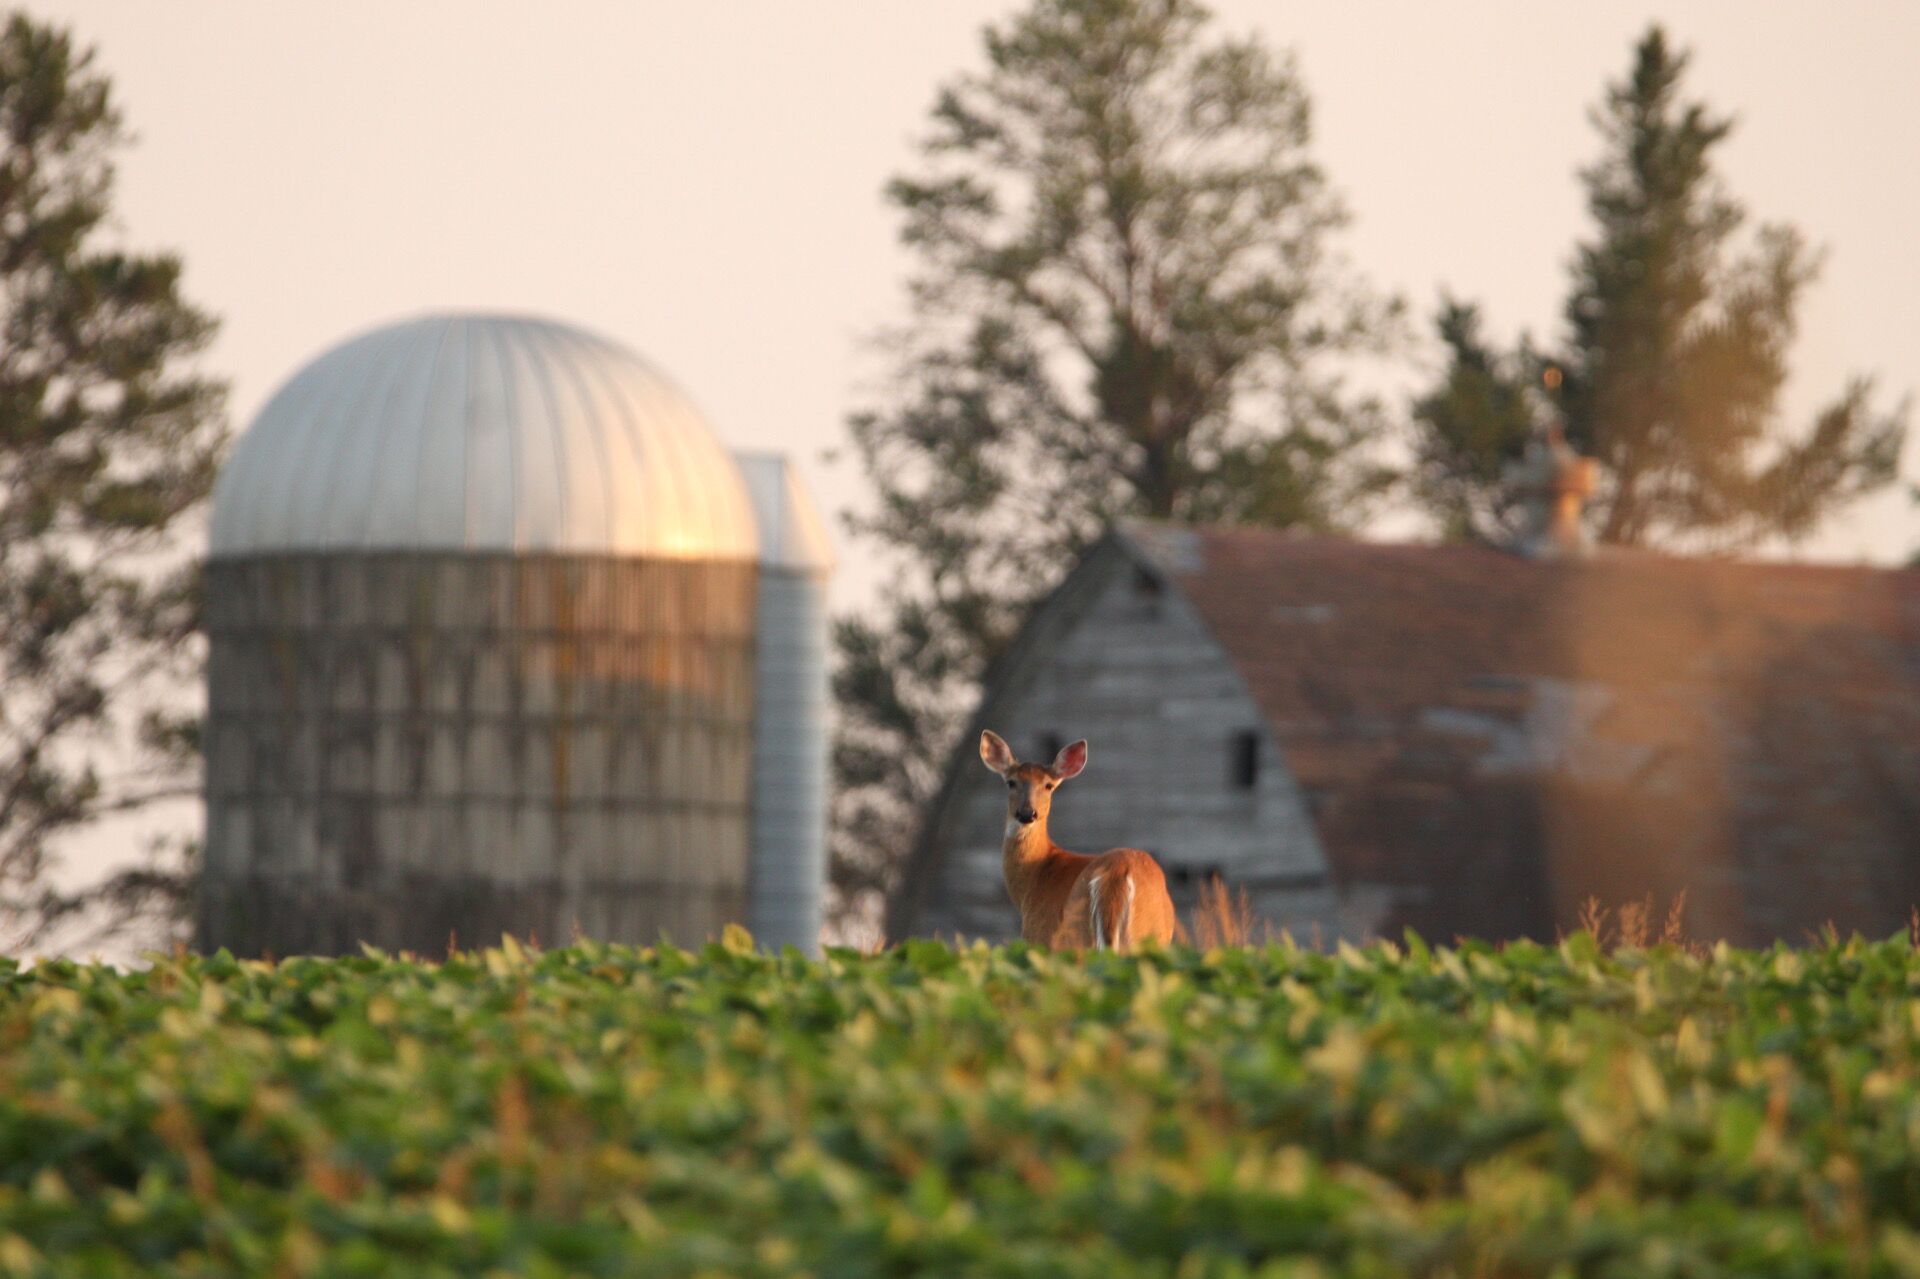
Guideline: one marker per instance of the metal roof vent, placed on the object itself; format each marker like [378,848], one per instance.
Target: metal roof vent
[1553,483]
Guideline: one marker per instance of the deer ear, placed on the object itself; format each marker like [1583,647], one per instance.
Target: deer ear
[1071,759]
[995,754]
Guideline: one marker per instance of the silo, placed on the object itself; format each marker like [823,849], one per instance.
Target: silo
[480,603]
[788,856]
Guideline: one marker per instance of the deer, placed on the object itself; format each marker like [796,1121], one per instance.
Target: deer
[1112,900]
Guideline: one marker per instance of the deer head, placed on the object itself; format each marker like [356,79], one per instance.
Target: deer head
[1030,786]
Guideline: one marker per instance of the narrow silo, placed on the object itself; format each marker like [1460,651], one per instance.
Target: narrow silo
[480,603]
[788,856]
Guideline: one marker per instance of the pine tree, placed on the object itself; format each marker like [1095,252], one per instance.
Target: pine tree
[1675,352]
[1126,304]
[106,441]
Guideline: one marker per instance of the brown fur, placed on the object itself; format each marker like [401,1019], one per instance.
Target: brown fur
[1055,888]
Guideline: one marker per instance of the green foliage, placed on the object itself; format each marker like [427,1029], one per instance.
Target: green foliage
[1673,360]
[1471,428]
[105,442]
[1532,1110]
[1125,304]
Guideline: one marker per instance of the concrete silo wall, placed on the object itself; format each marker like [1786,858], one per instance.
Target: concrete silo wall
[789,859]
[404,747]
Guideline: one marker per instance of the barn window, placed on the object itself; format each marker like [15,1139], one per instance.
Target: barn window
[1191,878]
[1147,590]
[1243,759]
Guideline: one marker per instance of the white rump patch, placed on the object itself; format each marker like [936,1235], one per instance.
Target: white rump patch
[1126,918]
[1093,910]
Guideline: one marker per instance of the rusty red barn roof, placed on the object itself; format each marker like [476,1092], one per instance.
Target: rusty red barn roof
[1491,738]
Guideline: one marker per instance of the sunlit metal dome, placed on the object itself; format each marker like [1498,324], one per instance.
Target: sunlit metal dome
[486,433]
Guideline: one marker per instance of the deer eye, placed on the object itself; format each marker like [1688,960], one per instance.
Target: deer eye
[1051,785]
[1012,784]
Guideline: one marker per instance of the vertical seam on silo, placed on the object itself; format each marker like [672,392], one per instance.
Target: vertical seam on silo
[646,465]
[417,436]
[497,333]
[573,346]
[463,427]
[543,384]
[236,477]
[392,363]
[265,496]
[390,434]
[724,477]
[478,332]
[666,476]
[374,424]
[613,393]
[266,504]
[682,458]
[422,533]
[484,346]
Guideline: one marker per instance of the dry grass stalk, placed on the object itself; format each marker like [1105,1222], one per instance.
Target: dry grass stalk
[1592,920]
[1631,927]
[1673,932]
[1224,917]
[1633,924]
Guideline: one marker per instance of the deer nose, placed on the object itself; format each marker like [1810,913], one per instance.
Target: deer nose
[1024,815]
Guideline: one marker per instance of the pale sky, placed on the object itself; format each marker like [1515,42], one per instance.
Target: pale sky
[703,181]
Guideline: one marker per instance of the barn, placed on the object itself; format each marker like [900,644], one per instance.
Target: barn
[503,640]
[1462,739]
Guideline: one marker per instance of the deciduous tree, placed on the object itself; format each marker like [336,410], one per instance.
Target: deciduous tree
[1127,302]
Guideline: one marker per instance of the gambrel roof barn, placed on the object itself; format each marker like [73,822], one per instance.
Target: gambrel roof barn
[1459,738]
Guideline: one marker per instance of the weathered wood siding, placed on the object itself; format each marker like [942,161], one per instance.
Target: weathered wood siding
[402,747]
[1122,660]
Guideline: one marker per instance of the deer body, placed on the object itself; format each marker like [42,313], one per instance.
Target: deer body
[1106,900]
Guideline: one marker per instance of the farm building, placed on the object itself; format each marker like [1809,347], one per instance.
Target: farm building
[503,640]
[1463,739]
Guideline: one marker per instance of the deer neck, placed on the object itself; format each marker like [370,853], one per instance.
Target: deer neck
[1025,848]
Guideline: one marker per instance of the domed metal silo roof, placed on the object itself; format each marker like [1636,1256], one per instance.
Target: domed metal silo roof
[485,433]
